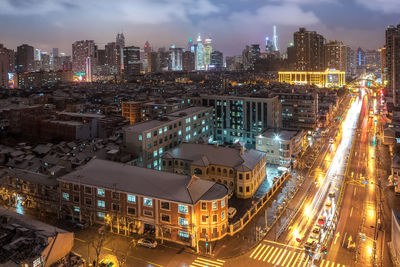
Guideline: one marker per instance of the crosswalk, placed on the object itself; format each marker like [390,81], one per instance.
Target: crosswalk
[203,262]
[284,256]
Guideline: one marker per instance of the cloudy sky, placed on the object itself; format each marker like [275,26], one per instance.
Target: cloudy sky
[230,23]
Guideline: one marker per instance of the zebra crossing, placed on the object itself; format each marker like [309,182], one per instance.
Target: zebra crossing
[203,262]
[284,256]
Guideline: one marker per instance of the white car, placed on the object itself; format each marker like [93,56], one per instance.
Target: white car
[147,242]
[231,212]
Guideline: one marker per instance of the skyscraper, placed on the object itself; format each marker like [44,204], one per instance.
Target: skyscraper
[275,40]
[269,45]
[207,52]
[113,58]
[4,66]
[175,58]
[190,46]
[25,58]
[147,47]
[217,60]
[393,63]
[188,61]
[309,50]
[81,50]
[336,55]
[120,40]
[199,54]
[131,62]
[153,62]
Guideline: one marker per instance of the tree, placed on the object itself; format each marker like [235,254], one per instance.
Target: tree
[98,242]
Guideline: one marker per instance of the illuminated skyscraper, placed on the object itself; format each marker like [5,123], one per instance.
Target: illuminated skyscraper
[147,47]
[120,40]
[190,45]
[81,50]
[217,60]
[175,58]
[113,58]
[269,45]
[309,50]
[207,52]
[276,47]
[4,66]
[199,54]
[131,62]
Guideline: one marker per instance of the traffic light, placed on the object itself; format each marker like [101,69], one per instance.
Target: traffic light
[324,250]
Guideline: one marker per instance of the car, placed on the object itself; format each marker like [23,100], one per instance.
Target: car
[231,212]
[316,232]
[328,205]
[331,194]
[321,220]
[106,263]
[310,244]
[147,242]
[330,141]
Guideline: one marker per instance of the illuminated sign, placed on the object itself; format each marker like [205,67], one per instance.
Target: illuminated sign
[398,140]
[11,81]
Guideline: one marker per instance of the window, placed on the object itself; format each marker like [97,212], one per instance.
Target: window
[155,153]
[183,221]
[183,234]
[165,205]
[148,202]
[183,209]
[115,207]
[204,218]
[223,203]
[148,135]
[101,204]
[240,189]
[131,211]
[148,213]
[100,214]
[194,118]
[187,120]
[76,198]
[240,176]
[155,143]
[223,215]
[180,133]
[132,198]
[65,196]
[165,129]
[115,195]
[160,151]
[148,146]
[247,176]
[165,218]
[88,190]
[247,189]
[88,201]
[203,206]
[100,192]
[76,187]
[215,218]
[160,131]
[140,137]
[215,205]
[155,133]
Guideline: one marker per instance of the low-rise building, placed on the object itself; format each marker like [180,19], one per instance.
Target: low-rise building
[32,79]
[281,147]
[328,78]
[242,171]
[130,199]
[149,140]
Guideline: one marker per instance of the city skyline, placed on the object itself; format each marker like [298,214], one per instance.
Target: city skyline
[46,24]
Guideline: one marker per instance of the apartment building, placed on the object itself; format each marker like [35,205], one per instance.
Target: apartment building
[241,118]
[129,199]
[241,171]
[149,140]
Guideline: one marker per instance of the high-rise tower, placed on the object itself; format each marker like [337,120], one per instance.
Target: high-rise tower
[207,52]
[120,40]
[199,54]
[275,40]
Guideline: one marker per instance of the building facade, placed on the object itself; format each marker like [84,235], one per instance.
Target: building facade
[188,61]
[309,50]
[328,78]
[32,79]
[25,58]
[178,208]
[81,50]
[149,140]
[241,118]
[336,56]
[217,60]
[241,171]
[131,62]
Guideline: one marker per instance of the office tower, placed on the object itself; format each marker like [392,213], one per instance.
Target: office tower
[153,62]
[188,61]
[55,52]
[147,47]
[246,58]
[255,53]
[190,46]
[88,70]
[383,65]
[360,61]
[25,58]
[131,62]
[393,63]
[234,63]
[275,40]
[113,57]
[45,61]
[336,56]
[81,50]
[200,55]
[120,40]
[175,56]
[164,59]
[269,45]
[217,60]
[373,60]
[291,57]
[4,66]
[37,54]
[207,52]
[309,50]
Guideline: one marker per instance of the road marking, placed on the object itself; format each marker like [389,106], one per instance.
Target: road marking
[298,256]
[81,240]
[109,249]
[202,262]
[273,255]
[212,261]
[284,245]
[336,237]
[322,262]
[305,259]
[265,251]
[355,190]
[269,252]
[351,211]
[294,254]
[259,251]
[286,258]
[254,251]
[280,259]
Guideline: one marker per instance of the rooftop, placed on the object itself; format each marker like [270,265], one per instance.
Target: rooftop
[283,134]
[145,182]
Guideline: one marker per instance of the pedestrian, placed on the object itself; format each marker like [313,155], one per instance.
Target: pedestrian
[94,262]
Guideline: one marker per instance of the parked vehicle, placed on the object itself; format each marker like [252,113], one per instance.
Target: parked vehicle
[147,242]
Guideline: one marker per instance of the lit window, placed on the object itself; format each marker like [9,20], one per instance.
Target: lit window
[214,205]
[131,198]
[160,151]
[155,163]
[66,196]
[187,120]
[148,202]
[140,137]
[183,234]
[101,204]
[165,129]
[100,192]
[183,209]
[203,122]
[223,215]
[180,132]
[194,118]
[77,209]
[148,135]
[100,214]
[155,153]
[222,203]
[160,131]
[183,221]
[187,128]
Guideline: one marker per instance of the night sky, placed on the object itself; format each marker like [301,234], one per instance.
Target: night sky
[230,23]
